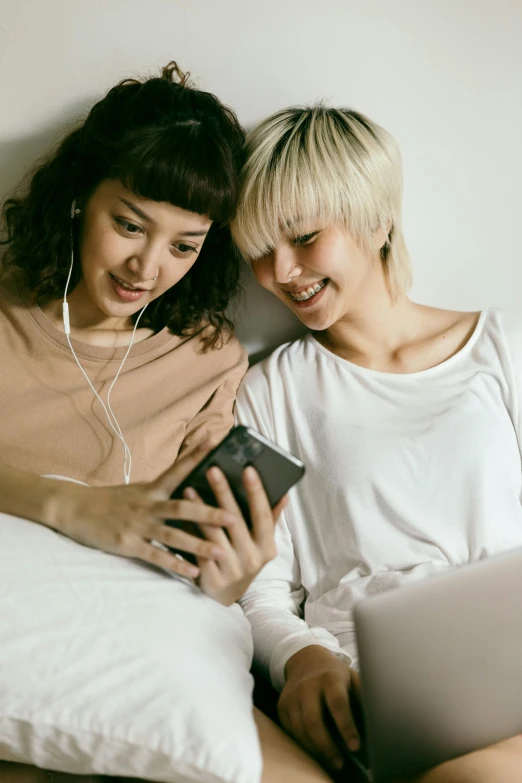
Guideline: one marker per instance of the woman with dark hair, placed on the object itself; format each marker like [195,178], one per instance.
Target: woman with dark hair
[117,271]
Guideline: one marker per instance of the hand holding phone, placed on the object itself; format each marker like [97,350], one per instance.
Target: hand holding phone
[242,447]
[247,476]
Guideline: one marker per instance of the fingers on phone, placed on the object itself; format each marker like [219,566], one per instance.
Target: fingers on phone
[194,511]
[260,511]
[222,492]
[189,493]
[239,534]
[179,539]
[158,557]
[218,537]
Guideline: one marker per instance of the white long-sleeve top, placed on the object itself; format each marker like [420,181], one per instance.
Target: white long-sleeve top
[406,474]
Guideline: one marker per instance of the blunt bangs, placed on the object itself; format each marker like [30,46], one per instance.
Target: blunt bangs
[200,180]
[319,165]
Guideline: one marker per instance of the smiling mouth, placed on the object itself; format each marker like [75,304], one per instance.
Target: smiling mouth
[125,285]
[308,293]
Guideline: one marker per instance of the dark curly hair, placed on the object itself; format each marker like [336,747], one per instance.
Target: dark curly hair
[165,141]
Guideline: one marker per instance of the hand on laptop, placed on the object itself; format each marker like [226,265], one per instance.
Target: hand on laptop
[314,706]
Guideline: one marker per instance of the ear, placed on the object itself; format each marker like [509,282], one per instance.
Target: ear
[382,235]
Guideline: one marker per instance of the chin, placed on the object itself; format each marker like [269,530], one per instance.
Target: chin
[319,323]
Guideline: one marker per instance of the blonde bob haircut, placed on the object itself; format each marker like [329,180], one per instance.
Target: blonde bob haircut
[331,165]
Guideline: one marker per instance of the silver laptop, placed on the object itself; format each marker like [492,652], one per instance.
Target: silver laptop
[441,666]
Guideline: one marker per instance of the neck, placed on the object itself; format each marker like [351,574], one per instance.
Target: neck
[374,332]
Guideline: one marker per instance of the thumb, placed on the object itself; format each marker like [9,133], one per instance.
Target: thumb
[173,476]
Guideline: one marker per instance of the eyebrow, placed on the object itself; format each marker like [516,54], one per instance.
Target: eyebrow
[137,211]
[143,215]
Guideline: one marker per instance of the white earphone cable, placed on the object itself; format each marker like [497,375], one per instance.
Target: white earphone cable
[127,462]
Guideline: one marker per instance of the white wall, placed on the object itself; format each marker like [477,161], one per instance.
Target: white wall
[445,76]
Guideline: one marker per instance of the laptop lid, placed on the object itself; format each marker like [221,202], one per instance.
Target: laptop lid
[441,666]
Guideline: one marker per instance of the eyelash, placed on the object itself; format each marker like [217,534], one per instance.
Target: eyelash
[185,250]
[125,225]
[305,238]
[188,249]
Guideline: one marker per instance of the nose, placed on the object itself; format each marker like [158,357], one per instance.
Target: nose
[145,262]
[285,266]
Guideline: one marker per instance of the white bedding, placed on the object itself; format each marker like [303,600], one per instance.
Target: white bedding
[108,666]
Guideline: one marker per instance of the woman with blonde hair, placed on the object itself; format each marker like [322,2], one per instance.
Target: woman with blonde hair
[407,417]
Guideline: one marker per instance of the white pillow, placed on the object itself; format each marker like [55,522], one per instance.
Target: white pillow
[108,666]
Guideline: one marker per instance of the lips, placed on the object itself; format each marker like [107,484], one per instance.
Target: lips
[125,294]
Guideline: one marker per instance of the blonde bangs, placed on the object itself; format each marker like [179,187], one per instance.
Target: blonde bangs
[321,165]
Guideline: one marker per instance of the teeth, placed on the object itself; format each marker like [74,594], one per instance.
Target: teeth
[126,285]
[307,293]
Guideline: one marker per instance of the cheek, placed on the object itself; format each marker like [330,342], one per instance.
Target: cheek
[102,249]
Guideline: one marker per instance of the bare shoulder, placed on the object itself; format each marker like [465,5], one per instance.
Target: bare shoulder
[444,324]
[445,332]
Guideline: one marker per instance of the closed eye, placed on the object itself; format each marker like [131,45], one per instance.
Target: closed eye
[304,239]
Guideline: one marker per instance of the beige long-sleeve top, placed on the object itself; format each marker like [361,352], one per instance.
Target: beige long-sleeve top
[170,393]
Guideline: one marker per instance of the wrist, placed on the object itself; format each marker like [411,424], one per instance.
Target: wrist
[28,496]
[313,657]
[56,498]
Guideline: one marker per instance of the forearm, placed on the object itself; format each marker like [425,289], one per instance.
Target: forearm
[23,494]
[280,635]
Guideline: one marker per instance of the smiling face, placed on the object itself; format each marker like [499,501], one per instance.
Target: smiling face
[125,242]
[321,274]
[334,177]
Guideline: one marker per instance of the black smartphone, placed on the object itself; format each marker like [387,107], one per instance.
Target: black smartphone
[277,469]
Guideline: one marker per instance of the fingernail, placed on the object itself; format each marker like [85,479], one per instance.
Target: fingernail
[250,474]
[338,763]
[190,493]
[192,571]
[217,552]
[230,519]
[214,474]
[354,745]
